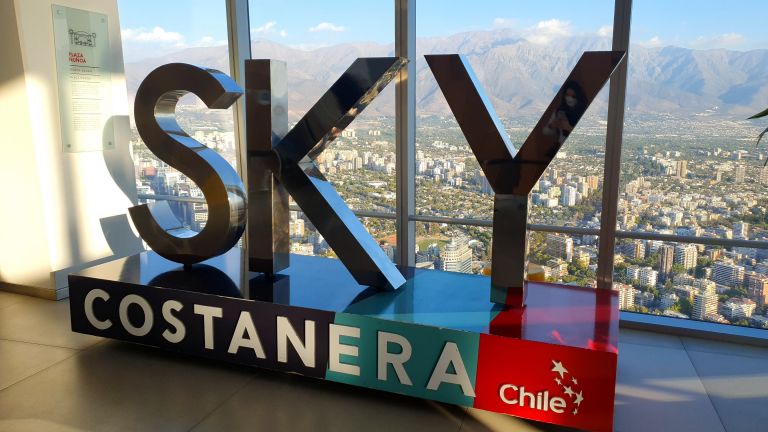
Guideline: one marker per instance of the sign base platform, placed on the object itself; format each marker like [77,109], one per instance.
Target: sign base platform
[439,337]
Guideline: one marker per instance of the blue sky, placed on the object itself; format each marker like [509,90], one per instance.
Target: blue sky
[159,26]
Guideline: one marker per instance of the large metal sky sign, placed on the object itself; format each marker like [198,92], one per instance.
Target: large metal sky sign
[281,162]
[429,334]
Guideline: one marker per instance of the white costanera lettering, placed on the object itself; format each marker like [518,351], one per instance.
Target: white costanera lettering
[88,306]
[539,401]
[149,317]
[175,321]
[336,349]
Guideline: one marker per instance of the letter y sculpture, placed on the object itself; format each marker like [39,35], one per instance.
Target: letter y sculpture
[513,173]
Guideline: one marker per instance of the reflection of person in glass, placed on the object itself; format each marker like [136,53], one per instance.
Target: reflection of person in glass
[571,108]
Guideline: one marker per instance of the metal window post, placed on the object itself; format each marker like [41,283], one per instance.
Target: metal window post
[239,38]
[405,131]
[622,16]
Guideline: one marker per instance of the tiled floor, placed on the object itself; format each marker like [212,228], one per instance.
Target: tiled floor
[54,380]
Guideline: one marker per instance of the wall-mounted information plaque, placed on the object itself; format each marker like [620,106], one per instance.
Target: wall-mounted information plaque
[85,89]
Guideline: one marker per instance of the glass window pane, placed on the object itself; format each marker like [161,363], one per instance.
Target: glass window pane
[690,165]
[318,45]
[521,54]
[693,281]
[190,31]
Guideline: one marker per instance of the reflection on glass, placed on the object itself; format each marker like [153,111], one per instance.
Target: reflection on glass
[521,57]
[360,162]
[554,257]
[158,33]
[690,166]
[693,281]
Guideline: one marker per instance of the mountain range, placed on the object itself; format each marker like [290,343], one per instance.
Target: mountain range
[519,76]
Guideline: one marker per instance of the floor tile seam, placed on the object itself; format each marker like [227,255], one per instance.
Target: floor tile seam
[681,347]
[72,354]
[463,418]
[690,349]
[49,345]
[706,390]
[223,402]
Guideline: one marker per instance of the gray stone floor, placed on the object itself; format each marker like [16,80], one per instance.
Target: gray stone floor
[54,380]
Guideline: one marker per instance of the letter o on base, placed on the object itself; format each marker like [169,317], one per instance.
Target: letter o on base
[149,318]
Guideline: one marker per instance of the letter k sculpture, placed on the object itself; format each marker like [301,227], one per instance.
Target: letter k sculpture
[512,173]
[281,162]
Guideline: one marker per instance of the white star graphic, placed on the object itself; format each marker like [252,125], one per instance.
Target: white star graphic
[569,392]
[558,367]
[579,398]
[576,411]
[557,380]
[575,381]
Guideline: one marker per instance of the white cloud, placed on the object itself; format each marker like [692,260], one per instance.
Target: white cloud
[546,31]
[283,33]
[326,26]
[605,31]
[726,40]
[653,42]
[157,34]
[504,22]
[308,46]
[268,27]
[208,41]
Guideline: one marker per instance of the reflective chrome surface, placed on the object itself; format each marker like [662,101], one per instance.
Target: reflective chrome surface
[512,173]
[509,251]
[155,107]
[266,110]
[347,97]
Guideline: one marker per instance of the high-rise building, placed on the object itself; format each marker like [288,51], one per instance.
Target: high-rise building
[647,276]
[626,295]
[686,255]
[740,230]
[634,250]
[633,273]
[593,181]
[559,246]
[764,175]
[739,173]
[296,228]
[704,305]
[666,259]
[757,287]
[568,196]
[457,256]
[682,168]
[485,186]
[727,273]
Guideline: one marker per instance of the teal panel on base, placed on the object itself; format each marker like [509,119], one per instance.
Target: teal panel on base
[427,344]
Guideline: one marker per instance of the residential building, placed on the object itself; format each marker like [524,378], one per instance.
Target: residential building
[666,259]
[559,246]
[727,273]
[686,255]
[735,309]
[457,256]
